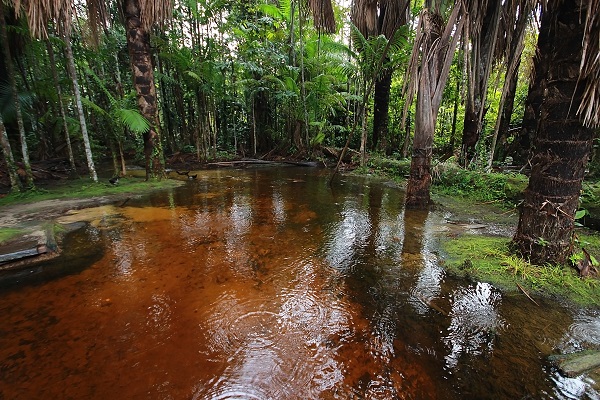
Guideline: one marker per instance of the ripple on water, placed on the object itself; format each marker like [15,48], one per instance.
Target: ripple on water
[158,318]
[232,324]
[585,329]
[474,322]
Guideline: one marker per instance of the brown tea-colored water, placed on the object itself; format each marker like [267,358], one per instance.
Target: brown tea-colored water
[268,284]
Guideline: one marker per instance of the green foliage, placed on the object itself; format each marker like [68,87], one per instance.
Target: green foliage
[376,54]
[475,185]
[489,259]
[118,111]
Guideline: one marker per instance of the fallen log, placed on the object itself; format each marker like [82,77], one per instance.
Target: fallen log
[244,161]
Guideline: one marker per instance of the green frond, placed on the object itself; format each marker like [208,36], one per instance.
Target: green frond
[399,42]
[93,106]
[330,46]
[273,79]
[132,119]
[285,6]
[290,84]
[99,82]
[194,76]
[164,78]
[358,40]
[271,10]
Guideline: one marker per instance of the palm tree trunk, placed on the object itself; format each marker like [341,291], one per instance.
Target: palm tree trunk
[80,113]
[437,49]
[138,44]
[562,144]
[303,78]
[482,55]
[510,81]
[381,106]
[15,94]
[15,183]
[61,105]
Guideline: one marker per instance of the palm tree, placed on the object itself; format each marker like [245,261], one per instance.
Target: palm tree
[15,94]
[61,105]
[78,103]
[429,69]
[481,34]
[372,18]
[515,22]
[60,11]
[567,67]
[140,16]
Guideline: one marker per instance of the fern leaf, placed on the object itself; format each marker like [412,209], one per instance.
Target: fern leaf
[132,119]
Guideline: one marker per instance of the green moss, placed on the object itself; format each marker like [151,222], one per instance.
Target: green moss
[81,188]
[489,259]
[8,233]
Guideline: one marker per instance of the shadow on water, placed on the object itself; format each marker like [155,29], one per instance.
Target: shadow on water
[81,250]
[268,284]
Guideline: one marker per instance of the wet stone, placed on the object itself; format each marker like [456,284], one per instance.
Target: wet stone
[576,363]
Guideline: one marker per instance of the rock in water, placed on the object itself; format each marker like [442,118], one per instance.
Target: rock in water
[576,363]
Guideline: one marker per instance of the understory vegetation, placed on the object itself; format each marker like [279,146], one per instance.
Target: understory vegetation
[505,189]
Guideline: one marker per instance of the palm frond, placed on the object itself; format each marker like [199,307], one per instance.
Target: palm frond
[99,82]
[93,106]
[290,84]
[270,10]
[323,16]
[155,12]
[132,119]
[285,6]
[590,67]
[359,40]
[364,16]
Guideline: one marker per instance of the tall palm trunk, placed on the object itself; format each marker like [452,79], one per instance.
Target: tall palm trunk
[80,113]
[61,105]
[513,61]
[436,46]
[483,44]
[381,106]
[138,44]
[561,145]
[15,183]
[15,94]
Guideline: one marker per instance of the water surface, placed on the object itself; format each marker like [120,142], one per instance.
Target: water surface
[268,284]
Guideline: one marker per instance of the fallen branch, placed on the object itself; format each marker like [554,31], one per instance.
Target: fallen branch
[526,294]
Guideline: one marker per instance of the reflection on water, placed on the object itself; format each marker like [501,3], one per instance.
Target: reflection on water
[474,322]
[267,284]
